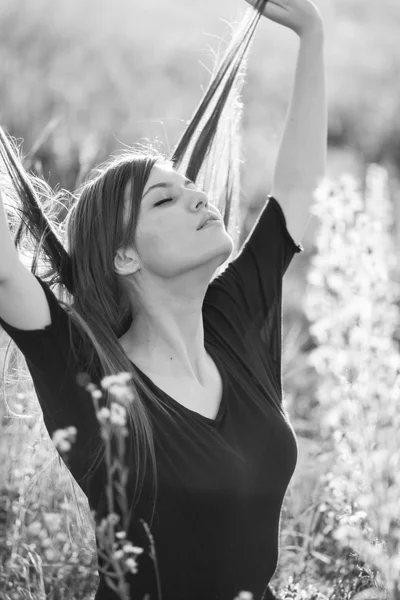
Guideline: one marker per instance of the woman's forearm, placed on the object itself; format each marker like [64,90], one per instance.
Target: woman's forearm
[302,154]
[8,253]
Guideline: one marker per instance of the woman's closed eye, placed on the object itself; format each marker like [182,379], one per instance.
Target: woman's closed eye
[162,201]
[168,199]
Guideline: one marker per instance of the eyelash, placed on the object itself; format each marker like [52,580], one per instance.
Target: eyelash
[162,201]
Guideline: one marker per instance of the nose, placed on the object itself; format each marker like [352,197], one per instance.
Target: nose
[203,200]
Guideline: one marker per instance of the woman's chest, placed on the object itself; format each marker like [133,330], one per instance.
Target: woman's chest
[204,400]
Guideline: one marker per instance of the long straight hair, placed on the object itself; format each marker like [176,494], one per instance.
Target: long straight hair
[79,253]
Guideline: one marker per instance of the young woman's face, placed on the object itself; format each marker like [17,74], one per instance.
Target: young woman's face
[167,236]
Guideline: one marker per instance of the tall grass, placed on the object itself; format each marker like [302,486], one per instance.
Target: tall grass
[352,303]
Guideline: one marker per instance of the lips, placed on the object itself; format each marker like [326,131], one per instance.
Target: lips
[206,219]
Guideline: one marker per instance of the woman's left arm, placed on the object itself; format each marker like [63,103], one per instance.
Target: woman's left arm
[302,155]
[301,161]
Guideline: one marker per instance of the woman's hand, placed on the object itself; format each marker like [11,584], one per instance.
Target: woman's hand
[302,16]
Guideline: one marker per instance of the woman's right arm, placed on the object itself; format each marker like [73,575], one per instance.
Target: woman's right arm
[23,303]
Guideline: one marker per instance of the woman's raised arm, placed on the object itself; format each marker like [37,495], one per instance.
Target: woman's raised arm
[23,303]
[8,252]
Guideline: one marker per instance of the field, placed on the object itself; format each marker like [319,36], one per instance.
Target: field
[79,80]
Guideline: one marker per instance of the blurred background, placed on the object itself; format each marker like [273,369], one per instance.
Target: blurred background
[90,76]
[81,79]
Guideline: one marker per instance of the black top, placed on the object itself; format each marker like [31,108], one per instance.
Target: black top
[221,481]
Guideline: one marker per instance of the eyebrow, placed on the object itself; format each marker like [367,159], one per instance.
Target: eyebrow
[167,185]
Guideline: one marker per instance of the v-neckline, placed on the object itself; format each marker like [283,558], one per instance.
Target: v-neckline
[221,409]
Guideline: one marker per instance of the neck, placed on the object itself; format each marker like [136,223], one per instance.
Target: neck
[169,344]
[167,333]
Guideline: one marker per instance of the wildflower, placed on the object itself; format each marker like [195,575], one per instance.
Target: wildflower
[130,548]
[72,431]
[58,435]
[113,518]
[50,554]
[118,414]
[131,565]
[244,595]
[62,438]
[64,446]
[103,415]
[120,379]
[122,393]
[35,528]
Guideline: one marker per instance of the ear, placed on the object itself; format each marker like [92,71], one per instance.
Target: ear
[126,261]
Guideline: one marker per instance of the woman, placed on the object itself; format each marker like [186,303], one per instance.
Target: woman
[204,354]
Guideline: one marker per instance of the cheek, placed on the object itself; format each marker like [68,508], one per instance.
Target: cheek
[160,252]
